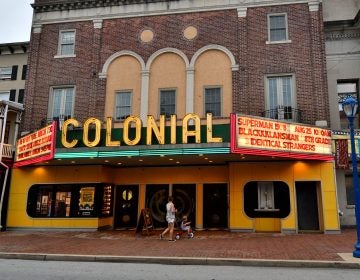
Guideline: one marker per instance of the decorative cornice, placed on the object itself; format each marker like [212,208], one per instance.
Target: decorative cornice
[69,5]
[65,5]
[345,132]
[14,48]
[57,11]
[337,36]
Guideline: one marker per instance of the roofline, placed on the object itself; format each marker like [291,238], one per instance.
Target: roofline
[14,44]
[13,105]
[81,4]
[68,5]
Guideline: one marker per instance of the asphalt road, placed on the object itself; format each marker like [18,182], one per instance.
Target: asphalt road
[35,270]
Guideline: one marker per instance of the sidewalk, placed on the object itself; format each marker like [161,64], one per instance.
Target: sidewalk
[207,247]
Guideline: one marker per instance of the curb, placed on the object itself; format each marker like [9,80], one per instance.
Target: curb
[181,261]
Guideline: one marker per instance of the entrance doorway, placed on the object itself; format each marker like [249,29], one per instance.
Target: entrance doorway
[307,206]
[126,206]
[215,211]
[184,201]
[156,199]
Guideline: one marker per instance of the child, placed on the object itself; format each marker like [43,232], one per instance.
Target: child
[185,225]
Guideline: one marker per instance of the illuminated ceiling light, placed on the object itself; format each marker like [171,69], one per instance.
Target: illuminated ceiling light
[178,162]
[59,159]
[206,158]
[201,155]
[73,161]
[106,160]
[243,157]
[162,155]
[171,159]
[141,160]
[210,161]
[119,163]
[129,156]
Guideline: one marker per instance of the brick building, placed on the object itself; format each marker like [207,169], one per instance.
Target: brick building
[240,29]
[143,92]
[342,40]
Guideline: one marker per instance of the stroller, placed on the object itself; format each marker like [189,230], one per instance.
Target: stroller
[185,227]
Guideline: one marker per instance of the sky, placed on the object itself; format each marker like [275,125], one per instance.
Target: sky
[15,20]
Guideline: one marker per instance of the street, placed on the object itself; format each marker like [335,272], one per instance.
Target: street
[34,270]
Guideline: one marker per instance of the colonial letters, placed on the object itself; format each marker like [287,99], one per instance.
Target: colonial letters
[152,128]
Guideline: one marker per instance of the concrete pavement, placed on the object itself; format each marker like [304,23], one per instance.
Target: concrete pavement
[207,247]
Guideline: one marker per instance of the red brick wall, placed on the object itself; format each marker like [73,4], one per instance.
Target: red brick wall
[244,37]
[304,57]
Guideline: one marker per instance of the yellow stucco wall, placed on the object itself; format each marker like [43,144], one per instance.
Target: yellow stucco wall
[289,173]
[24,178]
[236,175]
[167,71]
[124,74]
[213,69]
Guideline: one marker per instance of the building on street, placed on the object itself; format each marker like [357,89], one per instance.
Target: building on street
[342,38]
[13,65]
[222,104]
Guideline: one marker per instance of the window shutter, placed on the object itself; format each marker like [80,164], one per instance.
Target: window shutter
[23,74]
[12,95]
[14,72]
[21,96]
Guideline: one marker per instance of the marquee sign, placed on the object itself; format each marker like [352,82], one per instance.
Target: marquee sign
[36,147]
[260,136]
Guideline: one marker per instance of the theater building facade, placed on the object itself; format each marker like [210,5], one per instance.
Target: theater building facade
[219,105]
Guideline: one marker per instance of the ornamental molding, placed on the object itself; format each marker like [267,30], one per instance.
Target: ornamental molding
[65,5]
[347,35]
[36,28]
[314,5]
[98,23]
[242,12]
[53,11]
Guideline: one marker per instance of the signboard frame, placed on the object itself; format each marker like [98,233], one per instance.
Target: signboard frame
[263,151]
[32,140]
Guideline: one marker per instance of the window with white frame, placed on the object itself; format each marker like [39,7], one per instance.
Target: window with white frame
[266,195]
[212,101]
[5,73]
[122,105]
[5,95]
[280,97]
[167,102]
[66,43]
[62,103]
[277,28]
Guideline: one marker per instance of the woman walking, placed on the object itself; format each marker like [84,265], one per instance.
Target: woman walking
[170,218]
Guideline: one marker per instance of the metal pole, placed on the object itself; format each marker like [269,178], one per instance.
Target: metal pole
[356,252]
[3,164]
[3,192]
